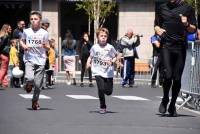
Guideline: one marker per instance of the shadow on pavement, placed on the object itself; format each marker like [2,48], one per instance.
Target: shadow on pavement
[179,115]
[41,109]
[107,112]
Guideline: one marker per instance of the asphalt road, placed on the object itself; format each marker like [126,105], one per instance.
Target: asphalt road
[64,111]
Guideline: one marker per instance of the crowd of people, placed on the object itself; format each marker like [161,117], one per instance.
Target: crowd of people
[32,51]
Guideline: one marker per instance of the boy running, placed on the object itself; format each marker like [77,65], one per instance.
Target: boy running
[101,59]
[34,41]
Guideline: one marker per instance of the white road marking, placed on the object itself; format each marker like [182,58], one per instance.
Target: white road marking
[83,97]
[136,98]
[30,96]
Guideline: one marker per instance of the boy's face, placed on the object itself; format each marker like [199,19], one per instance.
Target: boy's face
[102,37]
[35,21]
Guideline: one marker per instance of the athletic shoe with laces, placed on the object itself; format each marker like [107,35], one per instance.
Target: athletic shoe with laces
[35,105]
[102,111]
[28,87]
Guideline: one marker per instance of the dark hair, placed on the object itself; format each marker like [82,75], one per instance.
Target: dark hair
[36,13]
[82,38]
[20,21]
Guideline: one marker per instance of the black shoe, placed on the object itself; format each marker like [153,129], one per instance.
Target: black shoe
[172,110]
[163,108]
[82,85]
[91,85]
[74,83]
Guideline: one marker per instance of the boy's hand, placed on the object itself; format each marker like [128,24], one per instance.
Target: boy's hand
[109,62]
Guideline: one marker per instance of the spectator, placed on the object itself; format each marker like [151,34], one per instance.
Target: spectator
[69,51]
[127,50]
[4,53]
[17,34]
[198,34]
[52,62]
[84,52]
[14,62]
[155,41]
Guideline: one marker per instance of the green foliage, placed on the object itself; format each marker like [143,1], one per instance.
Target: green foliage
[192,3]
[105,8]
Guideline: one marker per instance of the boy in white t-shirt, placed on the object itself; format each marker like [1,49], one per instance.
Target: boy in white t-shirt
[101,59]
[34,41]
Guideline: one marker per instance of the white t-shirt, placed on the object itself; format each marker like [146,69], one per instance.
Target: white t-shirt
[35,39]
[99,57]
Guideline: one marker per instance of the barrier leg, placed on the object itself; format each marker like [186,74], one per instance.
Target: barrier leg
[190,97]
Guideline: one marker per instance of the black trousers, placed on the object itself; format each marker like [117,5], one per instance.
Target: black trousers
[105,87]
[173,65]
[83,69]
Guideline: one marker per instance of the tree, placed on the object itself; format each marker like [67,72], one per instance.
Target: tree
[97,11]
[196,5]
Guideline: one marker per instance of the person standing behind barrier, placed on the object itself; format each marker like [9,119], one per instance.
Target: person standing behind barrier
[17,34]
[127,50]
[35,43]
[4,53]
[155,41]
[198,34]
[45,25]
[173,20]
[84,53]
[52,62]
[101,60]
[69,51]
[14,62]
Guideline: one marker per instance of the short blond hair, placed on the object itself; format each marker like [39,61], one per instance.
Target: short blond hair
[102,29]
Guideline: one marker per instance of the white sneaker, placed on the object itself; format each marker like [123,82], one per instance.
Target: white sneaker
[68,82]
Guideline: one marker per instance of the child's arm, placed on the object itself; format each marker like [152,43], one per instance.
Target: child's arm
[23,45]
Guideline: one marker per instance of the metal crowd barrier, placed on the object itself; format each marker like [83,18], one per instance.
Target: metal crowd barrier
[190,91]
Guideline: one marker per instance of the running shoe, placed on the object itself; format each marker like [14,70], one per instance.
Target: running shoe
[35,105]
[102,111]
